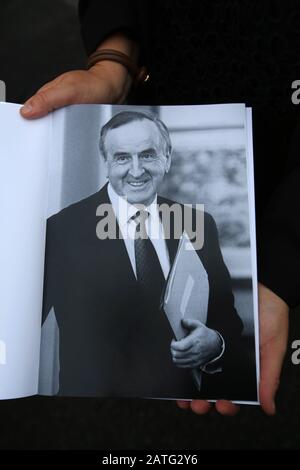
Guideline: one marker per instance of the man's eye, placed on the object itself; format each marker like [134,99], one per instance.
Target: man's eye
[122,158]
[148,155]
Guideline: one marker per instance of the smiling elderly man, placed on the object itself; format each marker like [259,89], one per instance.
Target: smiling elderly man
[115,339]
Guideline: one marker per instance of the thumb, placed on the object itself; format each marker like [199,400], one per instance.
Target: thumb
[190,324]
[273,342]
[269,382]
[272,356]
[49,98]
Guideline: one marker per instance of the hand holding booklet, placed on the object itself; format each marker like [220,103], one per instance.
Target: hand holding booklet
[127,253]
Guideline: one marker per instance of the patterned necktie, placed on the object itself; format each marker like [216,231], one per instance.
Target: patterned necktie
[148,269]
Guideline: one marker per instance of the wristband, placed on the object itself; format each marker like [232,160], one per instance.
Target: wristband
[138,74]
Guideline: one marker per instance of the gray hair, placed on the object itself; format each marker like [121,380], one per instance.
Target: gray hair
[125,117]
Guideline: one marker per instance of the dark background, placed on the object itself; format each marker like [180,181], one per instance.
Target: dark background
[38,40]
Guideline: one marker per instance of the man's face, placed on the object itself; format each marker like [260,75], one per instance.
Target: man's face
[136,161]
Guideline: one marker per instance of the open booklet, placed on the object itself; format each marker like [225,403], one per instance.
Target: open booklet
[127,253]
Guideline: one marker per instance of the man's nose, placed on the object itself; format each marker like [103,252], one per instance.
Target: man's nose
[136,169]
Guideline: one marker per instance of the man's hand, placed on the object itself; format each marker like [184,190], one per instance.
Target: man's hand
[199,347]
[273,320]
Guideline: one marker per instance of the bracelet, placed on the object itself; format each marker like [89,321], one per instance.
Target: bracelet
[138,74]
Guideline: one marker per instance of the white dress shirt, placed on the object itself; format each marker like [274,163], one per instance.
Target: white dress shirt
[124,212]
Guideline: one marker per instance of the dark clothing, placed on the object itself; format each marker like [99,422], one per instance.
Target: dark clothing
[281,238]
[112,343]
[201,52]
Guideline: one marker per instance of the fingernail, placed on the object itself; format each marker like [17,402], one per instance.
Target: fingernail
[27,108]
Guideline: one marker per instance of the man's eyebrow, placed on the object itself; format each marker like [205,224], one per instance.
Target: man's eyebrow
[117,154]
[151,149]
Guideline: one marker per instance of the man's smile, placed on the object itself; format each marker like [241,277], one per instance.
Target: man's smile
[138,183]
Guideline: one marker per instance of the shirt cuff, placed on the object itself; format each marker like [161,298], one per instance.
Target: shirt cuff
[212,367]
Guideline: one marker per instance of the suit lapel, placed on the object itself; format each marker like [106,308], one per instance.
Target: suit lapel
[172,242]
[116,247]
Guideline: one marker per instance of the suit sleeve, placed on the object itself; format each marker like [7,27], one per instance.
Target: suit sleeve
[238,377]
[99,19]
[222,315]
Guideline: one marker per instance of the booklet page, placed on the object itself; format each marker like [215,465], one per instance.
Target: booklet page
[24,149]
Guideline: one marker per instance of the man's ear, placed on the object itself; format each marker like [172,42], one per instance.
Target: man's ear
[168,163]
[106,168]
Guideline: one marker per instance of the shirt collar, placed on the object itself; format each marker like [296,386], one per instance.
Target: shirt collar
[123,210]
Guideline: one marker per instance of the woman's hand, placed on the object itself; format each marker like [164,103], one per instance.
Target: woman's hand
[273,325]
[105,82]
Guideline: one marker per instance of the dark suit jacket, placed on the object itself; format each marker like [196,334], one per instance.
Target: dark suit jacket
[107,341]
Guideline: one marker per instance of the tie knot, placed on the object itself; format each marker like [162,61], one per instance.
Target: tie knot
[140,218]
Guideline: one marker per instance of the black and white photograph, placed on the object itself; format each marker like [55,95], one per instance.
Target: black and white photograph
[149,287]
